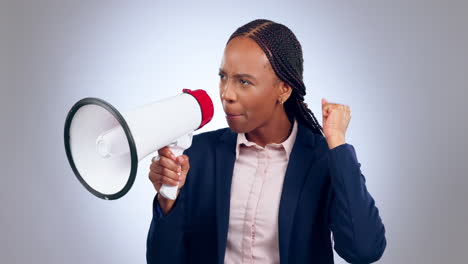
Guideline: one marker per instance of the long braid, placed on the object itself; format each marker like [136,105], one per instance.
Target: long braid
[284,52]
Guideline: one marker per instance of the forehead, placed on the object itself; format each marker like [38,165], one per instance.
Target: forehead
[242,54]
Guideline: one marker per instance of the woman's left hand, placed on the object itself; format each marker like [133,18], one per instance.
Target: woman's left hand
[335,120]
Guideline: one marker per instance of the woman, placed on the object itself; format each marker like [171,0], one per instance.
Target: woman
[273,186]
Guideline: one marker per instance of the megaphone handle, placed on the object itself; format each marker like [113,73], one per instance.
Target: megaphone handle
[183,143]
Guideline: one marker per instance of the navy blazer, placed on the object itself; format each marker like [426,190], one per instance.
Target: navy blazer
[323,191]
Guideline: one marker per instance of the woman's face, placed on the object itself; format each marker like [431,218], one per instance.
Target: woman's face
[249,88]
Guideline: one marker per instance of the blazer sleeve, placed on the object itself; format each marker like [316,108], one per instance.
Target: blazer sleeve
[165,241]
[358,231]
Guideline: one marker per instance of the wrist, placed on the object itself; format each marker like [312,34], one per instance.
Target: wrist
[336,141]
[165,204]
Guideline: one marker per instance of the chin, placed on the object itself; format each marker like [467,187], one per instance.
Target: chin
[236,128]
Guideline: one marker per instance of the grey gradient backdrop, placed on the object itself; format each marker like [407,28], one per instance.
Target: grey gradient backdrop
[402,66]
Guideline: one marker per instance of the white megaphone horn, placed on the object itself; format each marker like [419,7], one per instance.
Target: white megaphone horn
[104,146]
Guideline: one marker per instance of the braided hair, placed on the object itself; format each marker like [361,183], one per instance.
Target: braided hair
[285,55]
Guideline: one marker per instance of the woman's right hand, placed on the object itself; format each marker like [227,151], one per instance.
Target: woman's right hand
[169,170]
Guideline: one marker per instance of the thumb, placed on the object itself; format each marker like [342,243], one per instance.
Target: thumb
[324,108]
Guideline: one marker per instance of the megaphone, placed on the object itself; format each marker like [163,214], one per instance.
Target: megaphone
[104,146]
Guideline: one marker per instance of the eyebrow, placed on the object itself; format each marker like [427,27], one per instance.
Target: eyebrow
[240,75]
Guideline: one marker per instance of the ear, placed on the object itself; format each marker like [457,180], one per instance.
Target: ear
[284,91]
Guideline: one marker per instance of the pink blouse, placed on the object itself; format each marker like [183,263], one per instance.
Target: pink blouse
[256,188]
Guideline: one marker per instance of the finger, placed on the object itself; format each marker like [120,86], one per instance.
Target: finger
[327,107]
[326,110]
[333,106]
[169,181]
[155,167]
[324,104]
[168,163]
[325,113]
[154,163]
[155,178]
[166,152]
[158,169]
[161,179]
[158,181]
[324,107]
[330,111]
[171,174]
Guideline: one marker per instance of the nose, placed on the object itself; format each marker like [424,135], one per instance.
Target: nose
[227,93]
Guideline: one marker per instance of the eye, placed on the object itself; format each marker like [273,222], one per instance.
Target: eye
[221,76]
[244,82]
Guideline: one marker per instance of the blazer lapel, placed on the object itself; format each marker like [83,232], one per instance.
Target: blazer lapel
[299,163]
[225,158]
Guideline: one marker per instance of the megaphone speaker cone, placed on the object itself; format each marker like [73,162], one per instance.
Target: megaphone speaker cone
[106,176]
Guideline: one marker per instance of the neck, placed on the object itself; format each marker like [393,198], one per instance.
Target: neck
[275,130]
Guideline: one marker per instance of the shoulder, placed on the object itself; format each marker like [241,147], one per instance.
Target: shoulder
[320,148]
[321,142]
[311,144]
[314,142]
